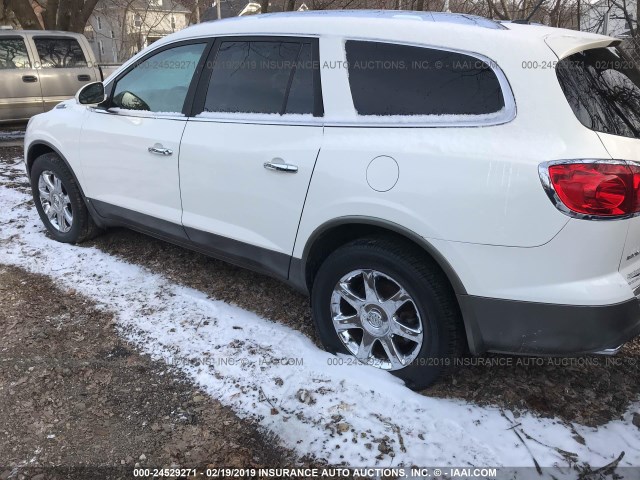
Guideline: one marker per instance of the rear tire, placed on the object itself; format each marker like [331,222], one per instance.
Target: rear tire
[411,295]
[59,202]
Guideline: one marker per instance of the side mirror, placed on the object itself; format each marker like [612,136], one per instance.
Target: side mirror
[91,94]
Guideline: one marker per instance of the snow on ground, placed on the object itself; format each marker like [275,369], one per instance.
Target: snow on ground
[263,369]
[11,134]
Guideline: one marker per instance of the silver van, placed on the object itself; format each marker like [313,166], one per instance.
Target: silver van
[39,69]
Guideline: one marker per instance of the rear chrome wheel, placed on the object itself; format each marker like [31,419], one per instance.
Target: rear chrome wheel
[55,201]
[376,319]
[389,305]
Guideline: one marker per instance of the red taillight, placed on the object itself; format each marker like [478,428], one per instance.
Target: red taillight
[598,188]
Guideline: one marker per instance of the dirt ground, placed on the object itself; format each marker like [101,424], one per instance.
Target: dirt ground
[73,393]
[589,390]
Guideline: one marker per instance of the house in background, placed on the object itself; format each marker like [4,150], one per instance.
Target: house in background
[118,29]
[240,8]
[608,18]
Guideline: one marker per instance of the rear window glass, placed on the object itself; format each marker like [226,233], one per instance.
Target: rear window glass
[603,88]
[389,79]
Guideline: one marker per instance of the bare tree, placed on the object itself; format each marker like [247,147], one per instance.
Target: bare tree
[617,18]
[68,15]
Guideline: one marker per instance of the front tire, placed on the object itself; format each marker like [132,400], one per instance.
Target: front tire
[390,306]
[59,202]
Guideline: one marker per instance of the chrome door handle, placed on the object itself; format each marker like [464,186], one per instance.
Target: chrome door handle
[280,166]
[158,149]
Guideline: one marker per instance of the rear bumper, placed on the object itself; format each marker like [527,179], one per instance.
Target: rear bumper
[529,328]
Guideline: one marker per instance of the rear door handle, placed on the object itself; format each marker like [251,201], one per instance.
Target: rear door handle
[279,166]
[84,78]
[158,149]
[29,78]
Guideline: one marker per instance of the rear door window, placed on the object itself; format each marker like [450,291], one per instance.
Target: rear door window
[388,79]
[602,87]
[300,99]
[60,52]
[13,54]
[272,77]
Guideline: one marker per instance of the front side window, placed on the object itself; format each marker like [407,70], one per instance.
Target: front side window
[159,83]
[60,52]
[261,77]
[602,87]
[388,80]
[13,54]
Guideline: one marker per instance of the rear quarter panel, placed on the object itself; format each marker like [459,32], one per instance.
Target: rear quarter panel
[623,148]
[463,184]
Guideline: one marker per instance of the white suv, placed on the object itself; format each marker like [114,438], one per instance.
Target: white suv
[438,183]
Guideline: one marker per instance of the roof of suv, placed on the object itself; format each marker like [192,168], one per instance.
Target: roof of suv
[396,25]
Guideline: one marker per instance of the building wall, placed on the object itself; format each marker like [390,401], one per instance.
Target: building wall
[606,18]
[117,33]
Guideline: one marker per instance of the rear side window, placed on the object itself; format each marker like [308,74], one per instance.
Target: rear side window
[13,54]
[262,77]
[388,79]
[602,87]
[60,52]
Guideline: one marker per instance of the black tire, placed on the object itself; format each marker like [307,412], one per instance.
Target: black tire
[423,280]
[82,227]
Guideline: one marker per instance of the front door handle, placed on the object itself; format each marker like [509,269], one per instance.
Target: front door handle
[158,149]
[29,78]
[279,166]
[84,78]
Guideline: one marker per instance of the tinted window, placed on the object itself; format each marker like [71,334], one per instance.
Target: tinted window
[389,79]
[254,77]
[603,88]
[300,99]
[13,54]
[159,83]
[60,52]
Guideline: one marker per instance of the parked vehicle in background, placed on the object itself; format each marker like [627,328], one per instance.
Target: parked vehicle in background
[438,183]
[39,69]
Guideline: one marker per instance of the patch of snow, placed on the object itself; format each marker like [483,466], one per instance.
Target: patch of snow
[145,113]
[257,117]
[11,134]
[437,119]
[277,376]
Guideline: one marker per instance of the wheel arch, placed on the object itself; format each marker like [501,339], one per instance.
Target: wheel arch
[338,232]
[335,233]
[41,147]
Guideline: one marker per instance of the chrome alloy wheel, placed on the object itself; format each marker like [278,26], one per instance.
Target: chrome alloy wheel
[55,201]
[376,319]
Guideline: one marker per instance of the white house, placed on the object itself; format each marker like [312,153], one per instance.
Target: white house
[118,29]
[609,17]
